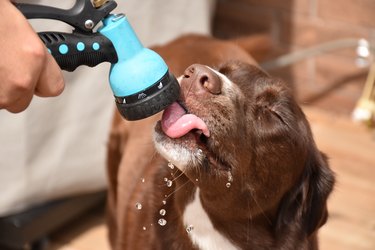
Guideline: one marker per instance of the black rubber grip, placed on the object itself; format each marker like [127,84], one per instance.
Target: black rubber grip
[73,50]
[153,103]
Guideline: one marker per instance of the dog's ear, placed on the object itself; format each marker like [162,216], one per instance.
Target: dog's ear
[306,204]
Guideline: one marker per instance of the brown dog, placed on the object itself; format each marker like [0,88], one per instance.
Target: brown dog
[235,165]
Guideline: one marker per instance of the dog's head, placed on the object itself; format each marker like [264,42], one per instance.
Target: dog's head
[239,135]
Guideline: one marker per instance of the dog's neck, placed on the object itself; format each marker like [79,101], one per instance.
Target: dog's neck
[201,230]
[212,229]
[225,226]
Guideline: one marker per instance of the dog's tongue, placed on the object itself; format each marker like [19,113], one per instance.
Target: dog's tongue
[176,122]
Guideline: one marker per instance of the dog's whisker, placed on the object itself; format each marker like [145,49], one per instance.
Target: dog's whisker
[181,174]
[176,190]
[249,223]
[153,156]
[261,209]
[189,90]
[169,182]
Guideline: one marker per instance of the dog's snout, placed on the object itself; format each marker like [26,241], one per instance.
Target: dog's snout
[202,76]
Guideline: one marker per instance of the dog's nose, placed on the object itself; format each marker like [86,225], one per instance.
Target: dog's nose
[204,78]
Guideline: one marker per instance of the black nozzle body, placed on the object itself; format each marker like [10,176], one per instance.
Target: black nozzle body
[151,100]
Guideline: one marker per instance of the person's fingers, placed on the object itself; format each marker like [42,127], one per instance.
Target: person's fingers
[51,81]
[24,58]
[26,66]
[21,75]
[20,104]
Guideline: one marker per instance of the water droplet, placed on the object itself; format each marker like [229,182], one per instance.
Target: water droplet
[199,152]
[228,185]
[162,222]
[230,176]
[143,180]
[189,228]
[164,202]
[196,179]
[165,179]
[169,183]
[170,165]
[144,228]
[162,212]
[138,206]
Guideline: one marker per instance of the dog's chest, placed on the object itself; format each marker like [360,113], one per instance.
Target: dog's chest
[201,230]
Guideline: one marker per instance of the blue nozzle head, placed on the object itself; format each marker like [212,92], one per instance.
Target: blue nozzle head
[140,80]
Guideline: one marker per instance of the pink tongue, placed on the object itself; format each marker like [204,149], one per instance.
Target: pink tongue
[176,123]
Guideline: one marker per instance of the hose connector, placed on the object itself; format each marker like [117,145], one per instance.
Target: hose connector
[99,3]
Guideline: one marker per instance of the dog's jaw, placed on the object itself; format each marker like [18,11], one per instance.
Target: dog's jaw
[179,155]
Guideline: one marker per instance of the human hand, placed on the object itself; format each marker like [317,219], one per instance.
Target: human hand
[26,67]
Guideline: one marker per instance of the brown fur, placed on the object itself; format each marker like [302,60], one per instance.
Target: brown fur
[281,181]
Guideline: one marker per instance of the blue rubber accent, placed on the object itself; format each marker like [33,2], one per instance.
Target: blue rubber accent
[81,46]
[137,68]
[63,49]
[95,46]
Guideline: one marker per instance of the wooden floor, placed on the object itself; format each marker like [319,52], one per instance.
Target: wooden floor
[351,226]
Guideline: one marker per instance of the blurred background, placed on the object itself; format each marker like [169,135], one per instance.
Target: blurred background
[332,80]
[325,50]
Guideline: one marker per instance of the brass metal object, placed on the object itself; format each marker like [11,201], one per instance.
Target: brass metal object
[99,3]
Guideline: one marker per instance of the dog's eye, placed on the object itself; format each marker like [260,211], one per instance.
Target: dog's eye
[274,111]
[277,115]
[269,113]
[269,101]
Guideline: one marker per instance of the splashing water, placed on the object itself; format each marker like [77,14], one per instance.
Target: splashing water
[170,165]
[189,228]
[230,180]
[169,183]
[199,152]
[138,206]
[230,176]
[162,222]
[162,212]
